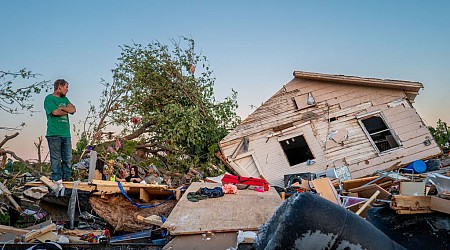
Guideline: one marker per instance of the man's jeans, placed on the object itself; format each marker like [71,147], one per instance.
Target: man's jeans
[60,156]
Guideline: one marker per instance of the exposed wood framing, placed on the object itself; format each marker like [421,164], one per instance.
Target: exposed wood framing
[339,102]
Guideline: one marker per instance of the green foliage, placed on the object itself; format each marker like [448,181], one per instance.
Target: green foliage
[440,133]
[15,98]
[4,216]
[164,97]
[80,148]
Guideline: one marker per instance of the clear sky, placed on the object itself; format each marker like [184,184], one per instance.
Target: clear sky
[253,46]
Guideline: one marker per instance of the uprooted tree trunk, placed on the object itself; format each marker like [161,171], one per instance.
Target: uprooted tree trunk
[122,215]
[4,152]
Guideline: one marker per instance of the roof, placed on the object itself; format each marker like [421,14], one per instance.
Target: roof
[411,88]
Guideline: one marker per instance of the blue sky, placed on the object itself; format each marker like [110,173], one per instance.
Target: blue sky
[253,46]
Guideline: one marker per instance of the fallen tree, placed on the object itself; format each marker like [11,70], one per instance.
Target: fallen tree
[162,99]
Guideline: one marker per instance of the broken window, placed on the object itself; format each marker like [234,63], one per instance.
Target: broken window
[379,133]
[296,150]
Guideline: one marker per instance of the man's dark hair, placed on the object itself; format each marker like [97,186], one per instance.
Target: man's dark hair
[58,83]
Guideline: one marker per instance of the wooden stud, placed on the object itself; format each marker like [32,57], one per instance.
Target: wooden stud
[33,234]
[144,196]
[5,190]
[372,198]
[178,193]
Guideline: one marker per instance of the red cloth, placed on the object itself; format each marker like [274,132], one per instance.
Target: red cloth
[248,181]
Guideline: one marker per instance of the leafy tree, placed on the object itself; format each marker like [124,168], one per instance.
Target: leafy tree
[163,98]
[440,133]
[14,98]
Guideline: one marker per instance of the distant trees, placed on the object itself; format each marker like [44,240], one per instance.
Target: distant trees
[162,98]
[440,133]
[16,96]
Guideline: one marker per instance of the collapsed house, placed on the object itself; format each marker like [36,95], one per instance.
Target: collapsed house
[319,122]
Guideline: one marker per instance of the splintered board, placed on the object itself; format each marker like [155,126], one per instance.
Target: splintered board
[246,210]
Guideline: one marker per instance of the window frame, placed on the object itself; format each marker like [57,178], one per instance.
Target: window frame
[290,136]
[379,114]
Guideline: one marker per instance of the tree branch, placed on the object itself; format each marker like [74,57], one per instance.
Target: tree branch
[2,151]
[139,131]
[7,138]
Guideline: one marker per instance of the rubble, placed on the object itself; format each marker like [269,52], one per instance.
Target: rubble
[157,216]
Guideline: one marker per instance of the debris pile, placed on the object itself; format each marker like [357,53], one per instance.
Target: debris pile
[227,211]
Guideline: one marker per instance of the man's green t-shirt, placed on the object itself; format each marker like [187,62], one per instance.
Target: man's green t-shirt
[56,125]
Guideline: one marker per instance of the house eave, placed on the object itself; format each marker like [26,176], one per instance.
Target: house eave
[410,87]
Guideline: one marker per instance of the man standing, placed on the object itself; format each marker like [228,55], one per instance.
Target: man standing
[57,107]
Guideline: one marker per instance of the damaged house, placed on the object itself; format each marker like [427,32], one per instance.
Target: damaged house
[321,122]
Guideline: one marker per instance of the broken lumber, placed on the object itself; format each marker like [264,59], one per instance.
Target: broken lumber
[100,187]
[368,191]
[325,188]
[440,204]
[403,204]
[8,229]
[354,183]
[4,190]
[373,197]
[152,219]
[34,234]
[48,182]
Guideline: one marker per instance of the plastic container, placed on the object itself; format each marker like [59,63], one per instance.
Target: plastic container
[417,166]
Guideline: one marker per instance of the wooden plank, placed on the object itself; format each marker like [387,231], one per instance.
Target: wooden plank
[79,233]
[325,188]
[371,199]
[411,204]
[48,182]
[246,210]
[100,187]
[258,166]
[354,183]
[144,196]
[8,229]
[34,234]
[4,190]
[406,211]
[48,236]
[203,241]
[440,204]
[369,190]
[351,110]
[152,219]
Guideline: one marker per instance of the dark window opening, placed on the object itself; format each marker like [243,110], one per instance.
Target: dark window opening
[296,150]
[380,133]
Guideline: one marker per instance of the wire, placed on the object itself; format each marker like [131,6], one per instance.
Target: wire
[6,243]
[139,205]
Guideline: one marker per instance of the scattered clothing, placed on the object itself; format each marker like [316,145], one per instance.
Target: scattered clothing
[229,188]
[204,193]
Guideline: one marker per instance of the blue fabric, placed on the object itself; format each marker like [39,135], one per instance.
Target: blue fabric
[137,204]
[60,156]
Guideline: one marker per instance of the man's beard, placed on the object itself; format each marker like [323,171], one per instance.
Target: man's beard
[62,95]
